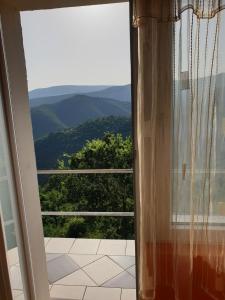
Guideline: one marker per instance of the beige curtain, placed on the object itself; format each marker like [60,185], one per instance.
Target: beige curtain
[181,149]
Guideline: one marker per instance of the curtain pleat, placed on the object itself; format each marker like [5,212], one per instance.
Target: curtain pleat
[181,149]
[171,10]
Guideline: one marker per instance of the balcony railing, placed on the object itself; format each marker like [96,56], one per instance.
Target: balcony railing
[85,171]
[178,220]
[86,213]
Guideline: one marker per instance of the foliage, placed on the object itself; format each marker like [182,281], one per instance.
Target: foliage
[53,147]
[92,192]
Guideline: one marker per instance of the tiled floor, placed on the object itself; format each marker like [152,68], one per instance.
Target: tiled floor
[85,269]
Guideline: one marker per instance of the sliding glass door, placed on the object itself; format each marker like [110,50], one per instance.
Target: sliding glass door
[9,213]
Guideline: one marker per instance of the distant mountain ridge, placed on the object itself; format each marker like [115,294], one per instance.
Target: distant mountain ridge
[59,93]
[121,93]
[73,111]
[65,89]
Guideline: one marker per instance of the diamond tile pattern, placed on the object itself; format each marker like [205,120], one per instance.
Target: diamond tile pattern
[102,270]
[85,269]
[77,278]
[124,261]
[84,259]
[50,256]
[123,280]
[60,267]
[132,271]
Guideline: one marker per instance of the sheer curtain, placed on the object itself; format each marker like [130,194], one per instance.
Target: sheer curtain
[181,149]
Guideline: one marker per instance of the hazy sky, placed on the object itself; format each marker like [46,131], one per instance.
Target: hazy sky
[81,45]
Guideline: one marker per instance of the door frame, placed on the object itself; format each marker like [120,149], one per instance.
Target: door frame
[5,287]
[20,134]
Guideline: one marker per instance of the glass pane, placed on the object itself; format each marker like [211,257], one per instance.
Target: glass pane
[8,212]
[198,127]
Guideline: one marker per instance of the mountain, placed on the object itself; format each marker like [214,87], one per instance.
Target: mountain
[35,102]
[65,90]
[74,111]
[53,95]
[121,93]
[52,147]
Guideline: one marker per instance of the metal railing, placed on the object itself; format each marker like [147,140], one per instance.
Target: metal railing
[85,171]
[198,220]
[86,213]
[178,220]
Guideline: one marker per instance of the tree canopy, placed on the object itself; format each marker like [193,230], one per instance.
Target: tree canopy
[92,192]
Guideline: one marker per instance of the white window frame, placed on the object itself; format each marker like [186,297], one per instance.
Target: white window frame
[20,134]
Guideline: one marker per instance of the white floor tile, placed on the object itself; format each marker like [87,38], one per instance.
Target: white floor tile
[59,245]
[102,270]
[13,257]
[99,293]
[123,261]
[60,267]
[123,280]
[52,256]
[84,259]
[128,294]
[46,239]
[67,292]
[132,271]
[130,249]
[15,278]
[77,278]
[85,246]
[112,247]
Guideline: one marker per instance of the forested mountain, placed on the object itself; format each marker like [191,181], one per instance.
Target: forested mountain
[52,147]
[74,111]
[91,130]
[35,102]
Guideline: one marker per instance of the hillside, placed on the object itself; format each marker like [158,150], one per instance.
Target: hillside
[121,93]
[35,102]
[53,95]
[74,111]
[52,147]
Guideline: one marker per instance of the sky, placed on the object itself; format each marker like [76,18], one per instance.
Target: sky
[87,45]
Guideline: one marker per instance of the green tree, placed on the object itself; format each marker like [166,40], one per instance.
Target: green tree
[93,192]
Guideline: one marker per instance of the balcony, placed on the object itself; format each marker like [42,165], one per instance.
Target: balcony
[84,269]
